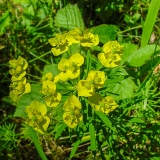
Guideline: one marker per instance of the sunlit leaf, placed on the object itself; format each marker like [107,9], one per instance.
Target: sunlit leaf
[4,22]
[140,56]
[105,32]
[69,17]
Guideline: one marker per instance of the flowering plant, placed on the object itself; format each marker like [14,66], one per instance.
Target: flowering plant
[84,86]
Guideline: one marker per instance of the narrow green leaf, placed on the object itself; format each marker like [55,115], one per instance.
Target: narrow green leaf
[93,138]
[60,130]
[105,32]
[69,18]
[37,143]
[136,120]
[75,146]
[106,121]
[140,56]
[149,22]
[4,22]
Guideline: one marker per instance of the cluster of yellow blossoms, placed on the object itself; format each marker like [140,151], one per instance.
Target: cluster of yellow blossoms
[61,42]
[19,86]
[70,69]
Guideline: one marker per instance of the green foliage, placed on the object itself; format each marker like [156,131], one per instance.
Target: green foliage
[125,133]
[69,18]
[122,86]
[150,21]
[105,32]
[8,137]
[140,56]
[4,22]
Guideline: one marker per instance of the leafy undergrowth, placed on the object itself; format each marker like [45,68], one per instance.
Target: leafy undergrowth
[79,81]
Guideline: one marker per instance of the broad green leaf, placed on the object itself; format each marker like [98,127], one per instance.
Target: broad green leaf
[93,138]
[140,56]
[29,11]
[26,99]
[106,121]
[105,32]
[119,84]
[53,68]
[4,22]
[122,89]
[24,3]
[128,48]
[74,48]
[150,21]
[60,130]
[69,18]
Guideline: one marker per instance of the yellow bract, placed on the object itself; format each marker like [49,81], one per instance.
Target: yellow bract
[36,116]
[17,68]
[86,39]
[89,39]
[85,88]
[106,104]
[74,36]
[112,54]
[72,115]
[48,76]
[71,67]
[60,44]
[97,77]
[20,87]
[52,97]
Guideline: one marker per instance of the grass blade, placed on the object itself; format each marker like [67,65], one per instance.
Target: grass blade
[93,138]
[149,22]
[37,143]
[105,120]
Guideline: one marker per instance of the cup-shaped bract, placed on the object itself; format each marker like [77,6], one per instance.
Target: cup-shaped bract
[17,68]
[85,88]
[97,77]
[37,116]
[72,115]
[112,54]
[60,44]
[52,97]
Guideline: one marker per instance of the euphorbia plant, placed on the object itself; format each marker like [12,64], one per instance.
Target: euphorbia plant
[71,68]
[85,83]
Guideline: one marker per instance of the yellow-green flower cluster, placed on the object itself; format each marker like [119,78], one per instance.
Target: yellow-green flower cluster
[70,69]
[72,115]
[87,88]
[111,55]
[104,104]
[95,79]
[19,84]
[52,97]
[37,116]
[62,42]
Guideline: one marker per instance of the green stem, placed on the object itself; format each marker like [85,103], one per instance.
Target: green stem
[140,26]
